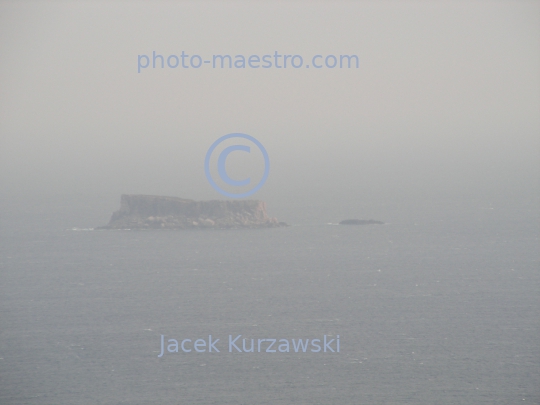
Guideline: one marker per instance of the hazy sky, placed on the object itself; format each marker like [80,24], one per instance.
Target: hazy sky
[447,95]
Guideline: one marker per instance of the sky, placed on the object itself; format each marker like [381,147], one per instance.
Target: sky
[446,97]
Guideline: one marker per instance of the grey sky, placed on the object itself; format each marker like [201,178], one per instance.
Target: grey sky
[446,93]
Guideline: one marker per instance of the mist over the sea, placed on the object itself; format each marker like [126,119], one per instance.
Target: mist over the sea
[445,99]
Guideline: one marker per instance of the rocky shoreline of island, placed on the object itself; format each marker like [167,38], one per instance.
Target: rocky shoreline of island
[139,212]
[159,212]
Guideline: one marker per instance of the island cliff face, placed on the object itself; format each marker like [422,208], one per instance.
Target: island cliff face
[156,212]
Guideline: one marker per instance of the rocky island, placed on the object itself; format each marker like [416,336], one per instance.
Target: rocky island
[157,212]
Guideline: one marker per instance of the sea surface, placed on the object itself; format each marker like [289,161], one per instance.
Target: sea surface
[441,305]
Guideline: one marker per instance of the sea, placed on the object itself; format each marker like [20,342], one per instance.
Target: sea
[440,305]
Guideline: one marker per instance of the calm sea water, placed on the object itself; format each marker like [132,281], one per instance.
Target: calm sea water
[439,306]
